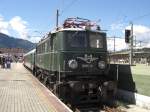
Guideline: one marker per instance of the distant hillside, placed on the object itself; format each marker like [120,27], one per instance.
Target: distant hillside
[11,42]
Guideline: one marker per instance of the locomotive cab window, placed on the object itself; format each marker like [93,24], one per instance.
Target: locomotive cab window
[77,39]
[96,40]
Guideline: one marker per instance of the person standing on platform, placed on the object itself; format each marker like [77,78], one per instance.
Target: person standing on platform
[8,62]
[3,62]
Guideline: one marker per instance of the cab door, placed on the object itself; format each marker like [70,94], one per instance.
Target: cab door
[54,52]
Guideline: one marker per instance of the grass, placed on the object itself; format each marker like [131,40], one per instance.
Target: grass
[141,76]
[141,69]
[142,84]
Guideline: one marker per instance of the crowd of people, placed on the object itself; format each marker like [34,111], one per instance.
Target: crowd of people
[5,62]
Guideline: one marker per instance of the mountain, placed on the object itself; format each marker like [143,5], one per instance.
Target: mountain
[11,42]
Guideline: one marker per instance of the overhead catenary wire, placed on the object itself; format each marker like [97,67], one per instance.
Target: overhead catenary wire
[132,19]
[68,6]
[60,11]
[63,10]
[140,17]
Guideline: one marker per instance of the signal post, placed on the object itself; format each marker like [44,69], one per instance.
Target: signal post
[131,45]
[129,40]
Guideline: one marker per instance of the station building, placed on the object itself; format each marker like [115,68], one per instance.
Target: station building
[140,56]
[14,53]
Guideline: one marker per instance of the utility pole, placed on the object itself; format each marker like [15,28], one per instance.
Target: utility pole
[57,17]
[131,45]
[114,47]
[114,44]
[140,43]
[135,41]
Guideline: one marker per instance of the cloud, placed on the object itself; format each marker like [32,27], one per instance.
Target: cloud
[142,34]
[17,27]
[20,26]
[116,26]
[16,24]
[139,29]
[3,26]
[148,45]
[35,39]
[119,44]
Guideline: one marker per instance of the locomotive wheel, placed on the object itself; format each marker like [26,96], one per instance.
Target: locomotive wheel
[45,80]
[39,76]
[34,71]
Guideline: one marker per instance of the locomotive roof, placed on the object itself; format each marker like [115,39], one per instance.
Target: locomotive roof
[75,29]
[75,24]
[67,29]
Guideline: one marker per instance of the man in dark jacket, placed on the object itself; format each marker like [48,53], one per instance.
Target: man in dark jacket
[3,62]
[8,62]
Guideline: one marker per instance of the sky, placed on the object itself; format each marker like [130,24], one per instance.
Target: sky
[31,19]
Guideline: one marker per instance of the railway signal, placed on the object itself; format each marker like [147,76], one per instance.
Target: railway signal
[127,36]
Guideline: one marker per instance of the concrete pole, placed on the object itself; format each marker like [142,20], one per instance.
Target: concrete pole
[114,44]
[57,17]
[140,43]
[135,41]
[114,48]
[131,45]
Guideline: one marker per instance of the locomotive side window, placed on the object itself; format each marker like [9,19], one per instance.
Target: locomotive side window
[96,40]
[77,39]
[49,46]
[39,49]
[43,48]
[52,41]
[46,47]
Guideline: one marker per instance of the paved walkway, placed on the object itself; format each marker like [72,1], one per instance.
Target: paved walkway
[20,91]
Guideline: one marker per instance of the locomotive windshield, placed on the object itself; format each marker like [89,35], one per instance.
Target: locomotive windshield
[77,39]
[96,40]
[82,39]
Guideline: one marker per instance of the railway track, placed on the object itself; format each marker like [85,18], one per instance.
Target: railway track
[108,109]
[91,107]
[119,106]
[96,109]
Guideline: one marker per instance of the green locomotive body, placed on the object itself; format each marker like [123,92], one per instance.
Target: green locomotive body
[59,49]
[72,61]
[29,59]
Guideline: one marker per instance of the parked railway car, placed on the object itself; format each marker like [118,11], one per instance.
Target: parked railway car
[29,60]
[72,61]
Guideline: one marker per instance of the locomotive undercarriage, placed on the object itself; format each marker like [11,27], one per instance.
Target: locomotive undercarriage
[78,91]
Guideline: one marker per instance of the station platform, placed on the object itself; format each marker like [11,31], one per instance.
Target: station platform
[20,91]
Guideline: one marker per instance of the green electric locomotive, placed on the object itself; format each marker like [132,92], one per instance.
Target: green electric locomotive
[72,61]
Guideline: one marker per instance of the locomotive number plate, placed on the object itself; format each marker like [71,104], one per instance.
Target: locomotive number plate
[87,66]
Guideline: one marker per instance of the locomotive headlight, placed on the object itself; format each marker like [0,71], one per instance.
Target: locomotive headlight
[101,64]
[73,64]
